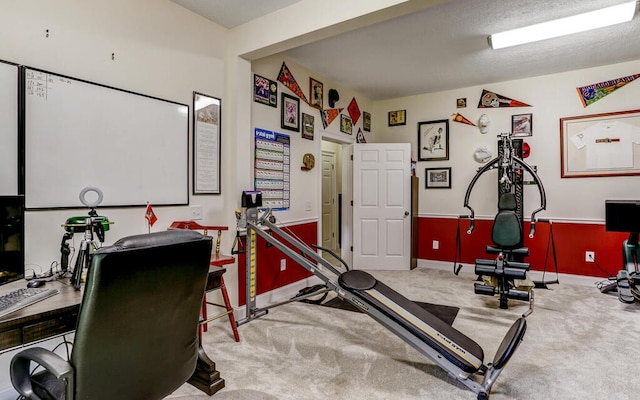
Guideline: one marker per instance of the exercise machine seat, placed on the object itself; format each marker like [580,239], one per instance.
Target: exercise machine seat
[506,232]
[508,240]
[137,330]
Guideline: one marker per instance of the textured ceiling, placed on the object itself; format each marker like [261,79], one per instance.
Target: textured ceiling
[445,47]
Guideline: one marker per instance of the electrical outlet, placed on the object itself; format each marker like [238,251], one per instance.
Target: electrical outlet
[590,256]
[283,264]
[195,212]
[436,245]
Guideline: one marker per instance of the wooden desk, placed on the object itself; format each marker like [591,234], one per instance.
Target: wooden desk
[58,314]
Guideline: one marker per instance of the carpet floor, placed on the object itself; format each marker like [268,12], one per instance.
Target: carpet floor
[580,344]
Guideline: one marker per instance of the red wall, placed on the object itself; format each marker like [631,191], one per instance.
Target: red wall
[268,263]
[572,240]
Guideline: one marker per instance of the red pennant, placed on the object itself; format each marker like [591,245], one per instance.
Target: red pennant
[354,110]
[495,100]
[457,117]
[329,115]
[287,79]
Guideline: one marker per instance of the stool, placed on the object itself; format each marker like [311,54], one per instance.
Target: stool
[215,281]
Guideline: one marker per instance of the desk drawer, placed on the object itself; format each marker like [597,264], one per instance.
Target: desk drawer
[52,327]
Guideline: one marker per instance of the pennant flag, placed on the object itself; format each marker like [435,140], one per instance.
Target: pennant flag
[494,100]
[150,215]
[354,110]
[457,117]
[360,137]
[328,115]
[592,93]
[289,81]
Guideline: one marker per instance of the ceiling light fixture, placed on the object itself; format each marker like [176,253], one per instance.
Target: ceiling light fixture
[564,26]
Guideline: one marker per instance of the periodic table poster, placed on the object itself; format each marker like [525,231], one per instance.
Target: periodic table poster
[272,168]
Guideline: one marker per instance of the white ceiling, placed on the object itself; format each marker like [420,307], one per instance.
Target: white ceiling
[231,13]
[445,47]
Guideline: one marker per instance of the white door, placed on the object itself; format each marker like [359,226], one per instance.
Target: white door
[381,206]
[329,201]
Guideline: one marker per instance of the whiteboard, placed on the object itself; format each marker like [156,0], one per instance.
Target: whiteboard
[79,134]
[8,129]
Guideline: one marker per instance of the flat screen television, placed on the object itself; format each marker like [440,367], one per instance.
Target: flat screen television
[622,216]
[11,238]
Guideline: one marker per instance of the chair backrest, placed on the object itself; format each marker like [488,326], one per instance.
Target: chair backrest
[136,336]
[507,228]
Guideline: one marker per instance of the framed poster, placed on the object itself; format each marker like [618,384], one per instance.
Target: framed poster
[600,145]
[522,125]
[346,124]
[206,144]
[316,93]
[265,91]
[398,117]
[433,140]
[290,113]
[366,121]
[308,126]
[437,178]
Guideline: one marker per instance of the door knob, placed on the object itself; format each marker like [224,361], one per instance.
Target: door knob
[406,213]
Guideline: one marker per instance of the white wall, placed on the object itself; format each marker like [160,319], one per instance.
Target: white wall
[552,97]
[159,49]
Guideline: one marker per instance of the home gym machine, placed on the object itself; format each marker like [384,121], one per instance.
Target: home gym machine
[624,216]
[460,356]
[500,275]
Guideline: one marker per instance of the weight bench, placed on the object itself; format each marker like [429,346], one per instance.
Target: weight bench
[456,353]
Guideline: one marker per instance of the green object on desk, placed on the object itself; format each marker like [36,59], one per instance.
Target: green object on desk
[79,224]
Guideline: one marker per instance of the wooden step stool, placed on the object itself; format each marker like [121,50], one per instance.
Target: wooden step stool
[215,281]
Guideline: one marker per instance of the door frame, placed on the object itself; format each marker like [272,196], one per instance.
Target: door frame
[347,223]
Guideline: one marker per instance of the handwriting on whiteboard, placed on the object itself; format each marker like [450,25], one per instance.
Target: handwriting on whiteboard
[39,83]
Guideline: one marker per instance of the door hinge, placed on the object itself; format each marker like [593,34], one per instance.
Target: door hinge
[351,203]
[352,157]
[351,249]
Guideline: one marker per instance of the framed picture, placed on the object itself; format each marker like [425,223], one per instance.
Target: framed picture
[461,102]
[346,124]
[366,121]
[433,140]
[307,126]
[316,93]
[206,144]
[600,145]
[398,117]
[522,125]
[265,91]
[437,178]
[290,118]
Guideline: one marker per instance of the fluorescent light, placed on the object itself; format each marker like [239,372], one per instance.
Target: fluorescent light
[564,26]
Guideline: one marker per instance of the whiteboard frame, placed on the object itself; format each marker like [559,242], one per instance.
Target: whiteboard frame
[134,165]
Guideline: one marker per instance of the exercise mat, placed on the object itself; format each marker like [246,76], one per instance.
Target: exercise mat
[446,313]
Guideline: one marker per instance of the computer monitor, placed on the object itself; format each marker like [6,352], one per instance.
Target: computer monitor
[11,238]
[622,216]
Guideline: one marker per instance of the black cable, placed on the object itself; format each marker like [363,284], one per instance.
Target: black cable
[601,269]
[458,252]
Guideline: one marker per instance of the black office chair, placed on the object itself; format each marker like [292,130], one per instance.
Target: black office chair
[507,237]
[137,331]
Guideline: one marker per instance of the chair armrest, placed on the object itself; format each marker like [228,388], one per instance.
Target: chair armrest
[53,363]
